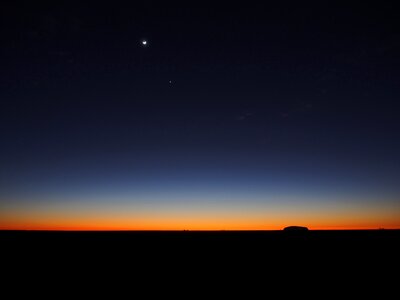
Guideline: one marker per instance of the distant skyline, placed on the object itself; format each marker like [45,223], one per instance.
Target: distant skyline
[167,116]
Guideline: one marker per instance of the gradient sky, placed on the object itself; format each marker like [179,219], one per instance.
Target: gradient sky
[232,116]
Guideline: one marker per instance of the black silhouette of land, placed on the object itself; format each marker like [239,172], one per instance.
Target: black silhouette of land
[334,257]
[187,244]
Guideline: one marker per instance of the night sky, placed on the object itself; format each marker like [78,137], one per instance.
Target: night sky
[230,116]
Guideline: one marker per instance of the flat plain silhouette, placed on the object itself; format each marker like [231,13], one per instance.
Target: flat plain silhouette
[182,255]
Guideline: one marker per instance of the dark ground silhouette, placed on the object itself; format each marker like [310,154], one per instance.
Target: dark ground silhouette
[211,243]
[204,260]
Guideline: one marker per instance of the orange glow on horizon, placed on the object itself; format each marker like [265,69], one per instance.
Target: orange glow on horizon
[177,225]
[99,228]
[210,218]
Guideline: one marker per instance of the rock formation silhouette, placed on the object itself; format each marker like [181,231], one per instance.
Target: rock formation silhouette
[295,228]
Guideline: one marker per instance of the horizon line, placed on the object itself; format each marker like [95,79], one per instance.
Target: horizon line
[191,230]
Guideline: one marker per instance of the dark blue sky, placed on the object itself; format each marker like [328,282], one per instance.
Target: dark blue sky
[247,101]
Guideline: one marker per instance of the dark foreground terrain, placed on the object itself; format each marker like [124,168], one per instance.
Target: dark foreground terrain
[361,261]
[191,244]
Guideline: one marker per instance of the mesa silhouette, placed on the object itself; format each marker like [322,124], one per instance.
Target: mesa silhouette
[296,228]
